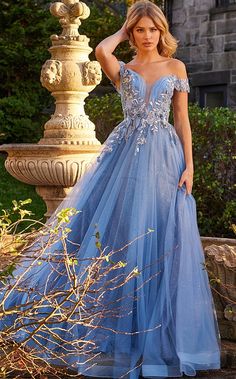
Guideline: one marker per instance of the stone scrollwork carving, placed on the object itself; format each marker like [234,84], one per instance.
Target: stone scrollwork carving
[47,171]
[69,122]
[51,73]
[69,13]
[230,312]
[221,264]
[92,73]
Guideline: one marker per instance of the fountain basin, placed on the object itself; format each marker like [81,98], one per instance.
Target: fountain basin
[53,169]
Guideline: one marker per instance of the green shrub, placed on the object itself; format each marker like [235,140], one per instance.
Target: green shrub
[213,141]
[25,29]
[213,133]
[105,112]
[19,120]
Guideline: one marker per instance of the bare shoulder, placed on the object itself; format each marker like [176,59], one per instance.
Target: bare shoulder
[178,68]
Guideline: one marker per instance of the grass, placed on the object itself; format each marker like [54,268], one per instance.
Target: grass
[12,189]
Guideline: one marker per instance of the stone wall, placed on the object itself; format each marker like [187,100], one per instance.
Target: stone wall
[207,36]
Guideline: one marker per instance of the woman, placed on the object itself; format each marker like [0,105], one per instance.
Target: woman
[161,322]
[187,339]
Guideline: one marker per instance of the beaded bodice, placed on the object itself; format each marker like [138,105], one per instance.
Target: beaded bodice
[146,107]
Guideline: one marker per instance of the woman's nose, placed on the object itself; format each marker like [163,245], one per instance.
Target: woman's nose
[147,35]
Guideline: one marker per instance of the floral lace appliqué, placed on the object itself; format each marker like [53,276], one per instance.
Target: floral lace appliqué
[141,116]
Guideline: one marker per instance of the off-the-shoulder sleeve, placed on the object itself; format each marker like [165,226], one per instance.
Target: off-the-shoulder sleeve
[182,85]
[121,63]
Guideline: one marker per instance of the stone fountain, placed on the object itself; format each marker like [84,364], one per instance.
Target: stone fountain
[59,159]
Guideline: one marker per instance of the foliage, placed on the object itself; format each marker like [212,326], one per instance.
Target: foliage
[25,28]
[19,120]
[213,142]
[12,188]
[10,237]
[99,111]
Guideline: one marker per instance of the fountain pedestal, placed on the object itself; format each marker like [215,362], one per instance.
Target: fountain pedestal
[69,143]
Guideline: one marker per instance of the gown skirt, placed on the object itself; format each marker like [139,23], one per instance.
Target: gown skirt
[148,310]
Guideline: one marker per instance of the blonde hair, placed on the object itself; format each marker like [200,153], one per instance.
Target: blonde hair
[167,45]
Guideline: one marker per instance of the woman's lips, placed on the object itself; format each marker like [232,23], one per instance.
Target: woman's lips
[147,43]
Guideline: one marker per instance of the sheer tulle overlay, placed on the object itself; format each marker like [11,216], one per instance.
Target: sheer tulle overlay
[161,322]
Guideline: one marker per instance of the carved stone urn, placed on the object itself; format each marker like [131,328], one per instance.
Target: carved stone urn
[59,159]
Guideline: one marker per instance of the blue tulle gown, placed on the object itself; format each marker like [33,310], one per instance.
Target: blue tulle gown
[161,322]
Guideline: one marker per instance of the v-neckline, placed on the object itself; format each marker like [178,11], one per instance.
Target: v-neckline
[149,86]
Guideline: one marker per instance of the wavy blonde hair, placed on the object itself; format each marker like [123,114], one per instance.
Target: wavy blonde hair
[167,45]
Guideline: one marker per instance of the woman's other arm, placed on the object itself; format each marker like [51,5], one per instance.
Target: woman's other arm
[183,128]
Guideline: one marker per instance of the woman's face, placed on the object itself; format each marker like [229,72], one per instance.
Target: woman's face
[146,35]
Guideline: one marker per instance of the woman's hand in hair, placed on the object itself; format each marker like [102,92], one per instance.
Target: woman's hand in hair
[124,31]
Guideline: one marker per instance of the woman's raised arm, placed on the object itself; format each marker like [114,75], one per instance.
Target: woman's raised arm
[107,60]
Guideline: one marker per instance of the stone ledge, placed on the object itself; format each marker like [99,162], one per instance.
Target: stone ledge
[207,241]
[210,78]
[36,149]
[229,8]
[195,68]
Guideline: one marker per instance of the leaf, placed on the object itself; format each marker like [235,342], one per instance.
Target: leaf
[98,244]
[14,202]
[24,202]
[122,264]
[135,271]
[24,212]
